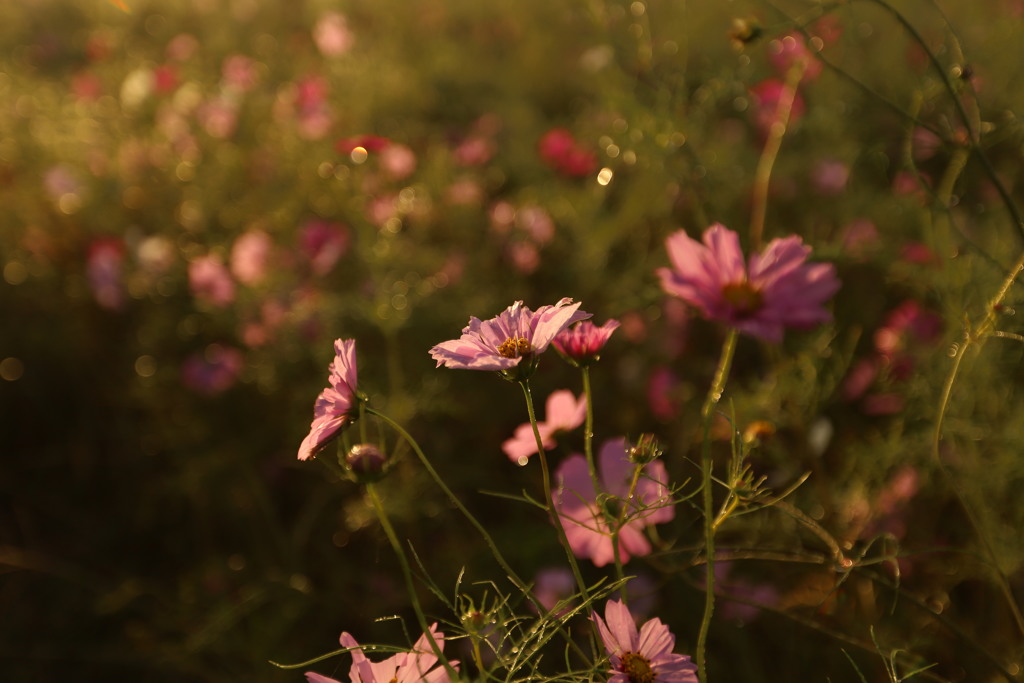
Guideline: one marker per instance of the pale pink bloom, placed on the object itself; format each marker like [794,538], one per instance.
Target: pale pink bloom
[641,656]
[250,256]
[332,35]
[335,407]
[323,243]
[536,222]
[503,216]
[474,151]
[104,268]
[213,371]
[503,342]
[587,526]
[398,161]
[583,342]
[464,192]
[773,290]
[218,117]
[563,412]
[210,281]
[415,666]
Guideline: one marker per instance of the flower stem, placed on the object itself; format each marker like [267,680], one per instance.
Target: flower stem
[389,531]
[588,428]
[708,414]
[763,174]
[548,498]
[619,573]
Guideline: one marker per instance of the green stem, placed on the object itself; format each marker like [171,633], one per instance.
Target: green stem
[708,414]
[588,428]
[548,499]
[389,531]
[619,573]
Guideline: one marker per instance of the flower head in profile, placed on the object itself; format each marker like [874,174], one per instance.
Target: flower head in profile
[643,656]
[589,519]
[404,667]
[335,407]
[563,413]
[582,343]
[773,290]
[509,343]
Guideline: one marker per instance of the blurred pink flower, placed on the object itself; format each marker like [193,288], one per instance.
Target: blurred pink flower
[524,256]
[250,256]
[662,387]
[503,342]
[239,72]
[560,150]
[582,342]
[104,265]
[218,117]
[563,412]
[787,51]
[332,35]
[210,281]
[766,96]
[830,176]
[474,151]
[323,243]
[587,526]
[535,222]
[774,290]
[335,407]
[643,656]
[85,85]
[552,585]
[415,666]
[398,161]
[182,47]
[213,371]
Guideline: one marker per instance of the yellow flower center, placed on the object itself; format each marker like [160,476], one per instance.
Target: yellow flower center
[637,668]
[513,347]
[744,299]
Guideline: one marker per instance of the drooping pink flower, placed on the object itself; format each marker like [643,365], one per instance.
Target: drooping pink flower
[587,527]
[773,290]
[563,413]
[502,343]
[643,656]
[210,281]
[582,343]
[335,407]
[419,664]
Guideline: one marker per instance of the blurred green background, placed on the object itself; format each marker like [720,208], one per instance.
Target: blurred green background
[199,197]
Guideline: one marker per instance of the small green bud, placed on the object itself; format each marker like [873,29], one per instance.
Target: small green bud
[645,450]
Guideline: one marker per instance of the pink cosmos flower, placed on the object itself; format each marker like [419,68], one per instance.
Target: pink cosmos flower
[323,243]
[332,35]
[104,268]
[563,413]
[213,371]
[502,343]
[560,150]
[587,527]
[405,667]
[645,655]
[773,290]
[335,406]
[582,342]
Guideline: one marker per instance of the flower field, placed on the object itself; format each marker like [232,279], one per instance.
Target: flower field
[635,341]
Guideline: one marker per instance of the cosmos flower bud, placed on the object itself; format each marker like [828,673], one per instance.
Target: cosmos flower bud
[645,450]
[366,462]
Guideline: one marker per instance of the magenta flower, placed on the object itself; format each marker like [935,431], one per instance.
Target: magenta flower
[335,407]
[563,413]
[582,343]
[210,281]
[404,667]
[516,336]
[641,657]
[588,526]
[774,290]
